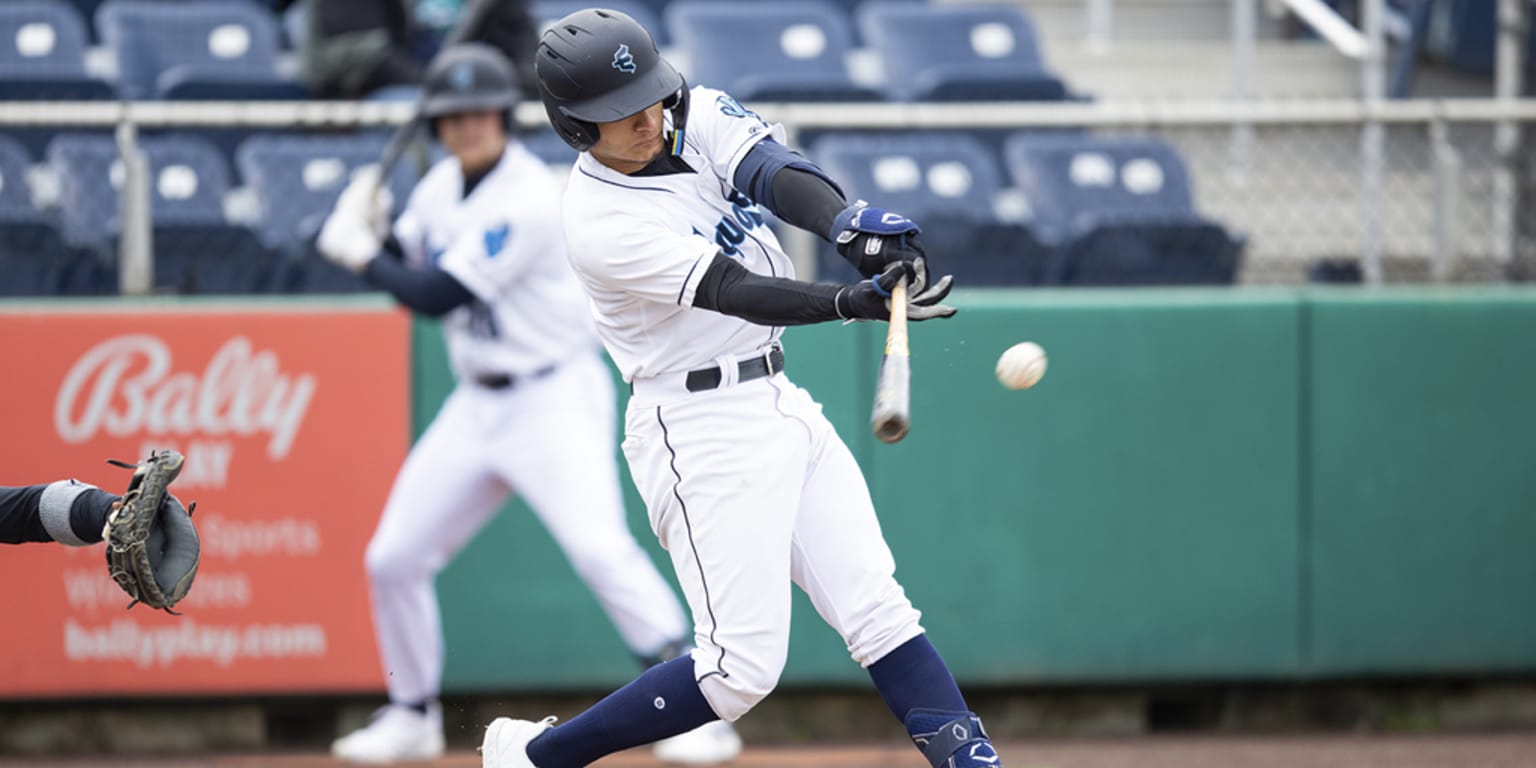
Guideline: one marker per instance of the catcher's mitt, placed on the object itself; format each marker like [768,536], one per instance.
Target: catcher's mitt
[152,547]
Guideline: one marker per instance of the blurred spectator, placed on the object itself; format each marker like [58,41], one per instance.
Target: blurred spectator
[354,47]
[509,27]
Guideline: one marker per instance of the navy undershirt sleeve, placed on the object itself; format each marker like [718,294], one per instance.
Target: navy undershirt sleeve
[794,188]
[731,289]
[430,291]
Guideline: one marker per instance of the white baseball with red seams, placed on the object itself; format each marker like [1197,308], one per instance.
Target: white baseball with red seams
[1021,366]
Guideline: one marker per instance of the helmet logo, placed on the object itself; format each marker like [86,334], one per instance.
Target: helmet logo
[622,61]
[462,77]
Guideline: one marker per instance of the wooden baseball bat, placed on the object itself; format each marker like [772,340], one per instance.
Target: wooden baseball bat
[893,415]
[467,25]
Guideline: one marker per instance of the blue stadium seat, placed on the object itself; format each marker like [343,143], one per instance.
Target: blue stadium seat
[33,258]
[785,51]
[87,11]
[958,53]
[15,194]
[947,183]
[41,38]
[42,53]
[211,259]
[1117,211]
[161,46]
[88,207]
[547,12]
[196,251]
[298,178]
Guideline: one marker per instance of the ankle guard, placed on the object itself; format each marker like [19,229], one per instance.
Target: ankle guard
[951,739]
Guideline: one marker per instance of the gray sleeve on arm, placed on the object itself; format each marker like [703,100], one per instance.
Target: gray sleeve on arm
[54,509]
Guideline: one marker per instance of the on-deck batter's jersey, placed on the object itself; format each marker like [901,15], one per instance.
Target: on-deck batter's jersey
[504,243]
[641,244]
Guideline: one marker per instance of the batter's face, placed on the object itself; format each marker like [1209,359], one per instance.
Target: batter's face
[632,143]
[475,138]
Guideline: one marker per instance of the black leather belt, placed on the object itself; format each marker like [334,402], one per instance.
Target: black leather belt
[747,370]
[507,380]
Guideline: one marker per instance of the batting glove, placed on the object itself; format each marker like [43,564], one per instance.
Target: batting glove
[870,238]
[871,299]
[355,230]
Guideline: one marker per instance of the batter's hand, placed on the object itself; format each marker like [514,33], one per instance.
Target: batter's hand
[871,299]
[355,230]
[870,238]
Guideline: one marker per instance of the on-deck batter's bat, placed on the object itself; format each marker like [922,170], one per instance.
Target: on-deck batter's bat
[470,17]
[893,390]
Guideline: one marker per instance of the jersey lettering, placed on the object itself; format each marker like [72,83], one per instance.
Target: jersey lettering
[731,231]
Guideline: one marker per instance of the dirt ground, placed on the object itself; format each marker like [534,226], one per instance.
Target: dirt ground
[1516,750]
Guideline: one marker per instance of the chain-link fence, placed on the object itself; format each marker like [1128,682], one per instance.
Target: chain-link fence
[234,193]
[1296,192]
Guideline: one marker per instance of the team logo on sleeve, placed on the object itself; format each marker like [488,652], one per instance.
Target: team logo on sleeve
[733,108]
[623,61]
[496,239]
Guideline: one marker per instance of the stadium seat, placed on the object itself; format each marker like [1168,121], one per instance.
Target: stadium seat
[786,51]
[958,53]
[947,183]
[33,258]
[547,12]
[196,251]
[210,259]
[298,178]
[15,195]
[312,273]
[87,11]
[42,53]
[166,48]
[1117,211]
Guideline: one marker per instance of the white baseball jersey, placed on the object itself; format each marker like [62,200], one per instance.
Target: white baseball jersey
[640,244]
[747,485]
[504,243]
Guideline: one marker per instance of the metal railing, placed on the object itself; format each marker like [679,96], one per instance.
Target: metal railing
[1287,175]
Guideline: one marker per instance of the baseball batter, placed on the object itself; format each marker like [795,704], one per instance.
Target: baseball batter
[480,245]
[747,485]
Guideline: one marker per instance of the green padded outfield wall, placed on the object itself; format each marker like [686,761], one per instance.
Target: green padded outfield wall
[1207,485]
[1423,487]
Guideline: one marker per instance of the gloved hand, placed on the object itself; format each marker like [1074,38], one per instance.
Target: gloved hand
[871,299]
[870,238]
[152,547]
[355,230]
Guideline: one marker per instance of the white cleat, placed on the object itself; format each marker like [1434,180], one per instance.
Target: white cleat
[708,744]
[395,733]
[506,742]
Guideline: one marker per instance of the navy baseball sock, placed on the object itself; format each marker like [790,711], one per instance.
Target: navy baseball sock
[662,702]
[919,689]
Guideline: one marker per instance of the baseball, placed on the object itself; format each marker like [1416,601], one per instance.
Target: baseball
[1021,365]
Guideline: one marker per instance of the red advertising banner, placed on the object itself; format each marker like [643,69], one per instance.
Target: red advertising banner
[292,421]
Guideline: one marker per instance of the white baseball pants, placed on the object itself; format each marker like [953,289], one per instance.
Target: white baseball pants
[749,488]
[550,440]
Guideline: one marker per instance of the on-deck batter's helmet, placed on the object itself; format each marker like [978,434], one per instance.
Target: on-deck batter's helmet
[469,78]
[598,66]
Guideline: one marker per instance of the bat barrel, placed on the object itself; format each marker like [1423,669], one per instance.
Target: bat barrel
[892,413]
